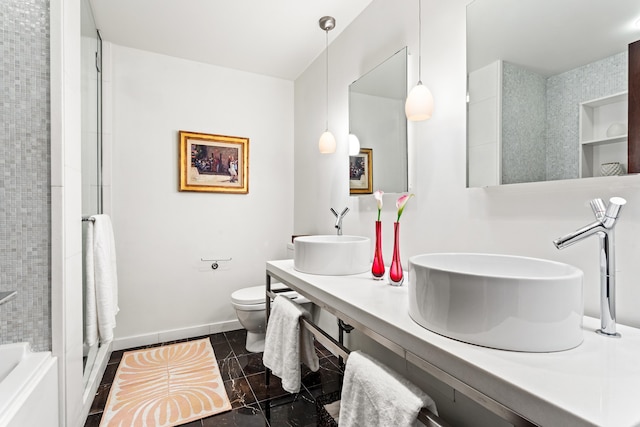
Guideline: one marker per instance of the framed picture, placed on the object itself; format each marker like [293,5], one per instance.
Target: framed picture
[214,163]
[361,172]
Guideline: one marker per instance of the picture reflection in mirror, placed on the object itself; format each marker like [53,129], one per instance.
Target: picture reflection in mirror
[377,119]
[361,172]
[546,80]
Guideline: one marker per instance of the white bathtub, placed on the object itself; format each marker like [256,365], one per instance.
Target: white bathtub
[28,387]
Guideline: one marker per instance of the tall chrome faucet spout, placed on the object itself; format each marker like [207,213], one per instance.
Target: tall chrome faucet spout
[339,217]
[581,233]
[606,217]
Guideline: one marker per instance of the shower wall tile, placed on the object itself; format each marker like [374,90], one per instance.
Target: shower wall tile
[25,197]
[540,117]
[523,125]
[564,94]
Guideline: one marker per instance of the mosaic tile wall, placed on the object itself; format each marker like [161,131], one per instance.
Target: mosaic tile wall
[25,196]
[540,117]
[523,125]
[564,94]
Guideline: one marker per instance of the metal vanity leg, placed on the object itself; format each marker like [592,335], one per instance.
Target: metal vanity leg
[342,328]
[267,371]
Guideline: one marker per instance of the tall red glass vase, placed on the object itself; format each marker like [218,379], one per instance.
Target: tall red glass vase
[377,269]
[396,276]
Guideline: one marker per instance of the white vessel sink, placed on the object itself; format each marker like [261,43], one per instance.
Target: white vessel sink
[499,301]
[332,255]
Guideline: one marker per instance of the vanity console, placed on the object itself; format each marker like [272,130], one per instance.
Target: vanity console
[594,383]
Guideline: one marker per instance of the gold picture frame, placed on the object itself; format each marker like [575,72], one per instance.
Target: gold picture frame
[361,172]
[213,163]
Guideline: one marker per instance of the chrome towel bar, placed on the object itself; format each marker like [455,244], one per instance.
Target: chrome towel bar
[425,416]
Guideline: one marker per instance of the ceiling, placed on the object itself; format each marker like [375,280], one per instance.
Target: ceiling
[549,37]
[278,38]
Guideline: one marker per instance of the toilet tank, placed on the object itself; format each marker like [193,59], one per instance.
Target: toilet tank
[289,250]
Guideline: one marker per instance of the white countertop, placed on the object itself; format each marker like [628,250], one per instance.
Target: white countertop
[597,383]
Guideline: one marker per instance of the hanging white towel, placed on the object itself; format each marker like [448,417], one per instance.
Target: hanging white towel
[101,272]
[287,344]
[90,314]
[374,395]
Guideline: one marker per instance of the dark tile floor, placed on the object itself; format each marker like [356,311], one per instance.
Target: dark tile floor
[253,403]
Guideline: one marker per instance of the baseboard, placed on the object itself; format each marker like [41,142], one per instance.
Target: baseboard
[174,334]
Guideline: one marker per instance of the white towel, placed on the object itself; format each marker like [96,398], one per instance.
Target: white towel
[287,344]
[374,395]
[101,281]
[90,314]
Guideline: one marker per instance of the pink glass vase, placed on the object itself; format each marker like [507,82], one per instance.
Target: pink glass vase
[377,269]
[396,276]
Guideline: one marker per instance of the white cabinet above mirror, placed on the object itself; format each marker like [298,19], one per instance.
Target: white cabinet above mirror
[534,69]
[377,119]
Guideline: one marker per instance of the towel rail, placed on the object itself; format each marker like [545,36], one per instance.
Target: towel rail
[425,416]
[88,218]
[325,339]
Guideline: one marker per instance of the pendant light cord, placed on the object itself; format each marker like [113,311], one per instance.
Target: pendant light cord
[327,79]
[419,41]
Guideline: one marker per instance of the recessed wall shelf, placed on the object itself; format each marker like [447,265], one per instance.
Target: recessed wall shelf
[603,141]
[596,148]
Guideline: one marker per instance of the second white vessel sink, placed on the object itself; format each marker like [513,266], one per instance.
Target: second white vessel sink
[332,255]
[499,301]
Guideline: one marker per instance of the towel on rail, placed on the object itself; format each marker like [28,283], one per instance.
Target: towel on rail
[101,285]
[375,395]
[287,344]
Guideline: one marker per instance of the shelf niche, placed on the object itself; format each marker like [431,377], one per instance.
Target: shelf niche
[597,116]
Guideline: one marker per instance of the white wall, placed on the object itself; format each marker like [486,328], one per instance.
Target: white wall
[518,219]
[161,233]
[484,165]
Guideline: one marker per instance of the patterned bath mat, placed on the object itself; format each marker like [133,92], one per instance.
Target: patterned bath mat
[166,386]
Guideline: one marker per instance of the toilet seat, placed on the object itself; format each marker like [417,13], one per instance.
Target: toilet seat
[254,298]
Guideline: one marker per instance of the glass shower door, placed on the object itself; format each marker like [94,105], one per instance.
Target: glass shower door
[91,74]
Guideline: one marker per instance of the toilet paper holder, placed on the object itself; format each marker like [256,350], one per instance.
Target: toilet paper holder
[215,265]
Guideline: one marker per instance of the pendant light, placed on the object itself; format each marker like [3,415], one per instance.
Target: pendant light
[419,105]
[327,143]
[354,145]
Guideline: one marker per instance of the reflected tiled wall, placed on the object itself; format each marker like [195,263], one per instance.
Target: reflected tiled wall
[25,197]
[564,94]
[540,117]
[523,125]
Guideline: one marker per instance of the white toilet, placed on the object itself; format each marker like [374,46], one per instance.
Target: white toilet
[250,305]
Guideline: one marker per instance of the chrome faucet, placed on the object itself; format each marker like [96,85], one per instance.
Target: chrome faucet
[339,217]
[603,226]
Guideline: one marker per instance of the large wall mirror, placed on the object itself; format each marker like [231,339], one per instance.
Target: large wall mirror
[377,119]
[547,89]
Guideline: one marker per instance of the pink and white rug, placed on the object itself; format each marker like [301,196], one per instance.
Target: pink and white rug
[166,386]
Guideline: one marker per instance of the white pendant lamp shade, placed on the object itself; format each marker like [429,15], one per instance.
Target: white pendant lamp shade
[354,145]
[419,105]
[327,144]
